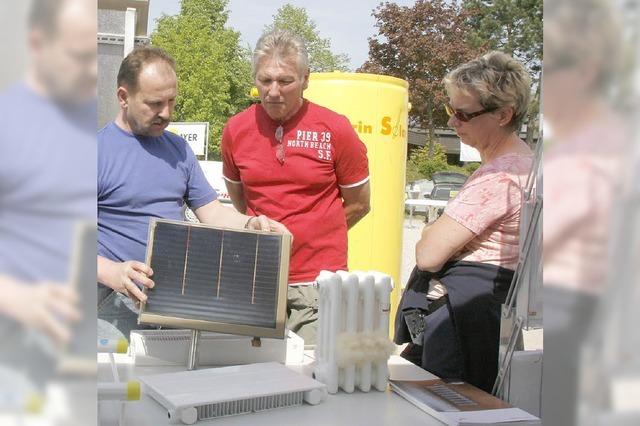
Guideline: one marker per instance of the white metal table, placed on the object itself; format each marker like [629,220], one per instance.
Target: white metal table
[355,409]
[431,205]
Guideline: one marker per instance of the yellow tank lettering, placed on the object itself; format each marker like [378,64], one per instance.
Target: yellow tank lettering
[386,126]
[363,128]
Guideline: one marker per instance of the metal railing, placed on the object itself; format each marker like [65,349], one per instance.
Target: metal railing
[522,307]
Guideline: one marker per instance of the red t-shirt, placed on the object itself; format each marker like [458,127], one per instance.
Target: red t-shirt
[322,154]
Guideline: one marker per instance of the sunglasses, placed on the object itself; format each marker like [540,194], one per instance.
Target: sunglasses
[464,116]
[280,146]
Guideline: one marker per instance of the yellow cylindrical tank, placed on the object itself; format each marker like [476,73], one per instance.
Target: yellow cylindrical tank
[377,107]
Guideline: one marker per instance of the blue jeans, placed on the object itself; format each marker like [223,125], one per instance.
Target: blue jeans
[117,315]
[445,359]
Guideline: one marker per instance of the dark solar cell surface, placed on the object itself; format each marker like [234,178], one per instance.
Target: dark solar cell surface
[214,275]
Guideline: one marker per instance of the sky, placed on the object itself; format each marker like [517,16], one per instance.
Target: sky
[347,23]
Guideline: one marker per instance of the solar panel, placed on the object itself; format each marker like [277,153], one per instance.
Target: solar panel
[217,279]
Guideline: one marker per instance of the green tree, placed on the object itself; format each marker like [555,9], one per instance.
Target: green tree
[515,27]
[421,164]
[469,168]
[421,44]
[296,20]
[412,173]
[214,71]
[426,164]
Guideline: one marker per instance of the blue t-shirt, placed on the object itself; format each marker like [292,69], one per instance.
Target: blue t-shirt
[47,182]
[140,177]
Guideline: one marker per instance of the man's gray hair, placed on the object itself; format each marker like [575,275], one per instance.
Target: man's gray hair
[281,45]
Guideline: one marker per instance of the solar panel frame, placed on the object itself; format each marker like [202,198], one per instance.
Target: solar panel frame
[235,268]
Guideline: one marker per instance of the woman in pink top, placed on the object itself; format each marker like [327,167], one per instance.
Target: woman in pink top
[465,259]
[488,101]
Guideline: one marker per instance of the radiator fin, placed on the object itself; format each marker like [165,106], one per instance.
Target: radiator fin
[248,405]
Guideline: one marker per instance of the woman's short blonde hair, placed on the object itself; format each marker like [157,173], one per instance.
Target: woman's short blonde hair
[497,80]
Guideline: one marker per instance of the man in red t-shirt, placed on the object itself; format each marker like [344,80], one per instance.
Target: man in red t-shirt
[300,164]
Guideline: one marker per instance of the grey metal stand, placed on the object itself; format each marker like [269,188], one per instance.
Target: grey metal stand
[520,309]
[192,361]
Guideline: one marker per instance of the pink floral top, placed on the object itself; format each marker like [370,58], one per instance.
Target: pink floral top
[489,206]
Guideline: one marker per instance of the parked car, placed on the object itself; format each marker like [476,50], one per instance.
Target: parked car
[446,185]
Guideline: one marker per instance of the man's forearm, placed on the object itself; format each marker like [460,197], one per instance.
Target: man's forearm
[105,271]
[231,218]
[354,213]
[7,284]
[236,193]
[216,214]
[239,204]
[356,202]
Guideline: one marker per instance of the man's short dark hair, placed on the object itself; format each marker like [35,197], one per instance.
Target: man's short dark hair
[134,62]
[44,15]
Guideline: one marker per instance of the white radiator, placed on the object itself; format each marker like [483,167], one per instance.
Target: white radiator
[191,396]
[353,343]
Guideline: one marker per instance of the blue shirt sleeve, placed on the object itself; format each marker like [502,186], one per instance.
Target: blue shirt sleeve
[199,191]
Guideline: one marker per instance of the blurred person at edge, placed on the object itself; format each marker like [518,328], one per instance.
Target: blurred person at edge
[300,163]
[466,259]
[145,171]
[584,144]
[47,178]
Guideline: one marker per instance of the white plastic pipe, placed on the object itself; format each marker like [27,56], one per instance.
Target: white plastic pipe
[119,346]
[350,289]
[366,298]
[384,286]
[129,391]
[329,289]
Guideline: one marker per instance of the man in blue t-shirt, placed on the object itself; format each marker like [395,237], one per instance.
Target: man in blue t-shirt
[144,172]
[47,189]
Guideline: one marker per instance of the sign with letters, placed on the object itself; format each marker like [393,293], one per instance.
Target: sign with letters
[195,133]
[468,153]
